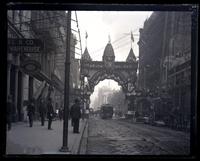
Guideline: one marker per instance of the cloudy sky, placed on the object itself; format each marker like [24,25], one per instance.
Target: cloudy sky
[99,25]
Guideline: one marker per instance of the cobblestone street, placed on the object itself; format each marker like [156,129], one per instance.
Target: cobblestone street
[120,137]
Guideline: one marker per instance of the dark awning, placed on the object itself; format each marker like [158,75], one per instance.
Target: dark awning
[57,83]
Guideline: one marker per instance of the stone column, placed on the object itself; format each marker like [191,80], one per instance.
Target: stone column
[144,78]
[16,92]
[16,70]
[8,78]
[30,88]
[9,60]
[21,96]
[22,87]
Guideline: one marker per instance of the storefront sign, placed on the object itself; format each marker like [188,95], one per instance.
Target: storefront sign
[25,45]
[31,66]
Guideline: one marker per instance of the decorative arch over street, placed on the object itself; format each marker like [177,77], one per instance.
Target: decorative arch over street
[123,72]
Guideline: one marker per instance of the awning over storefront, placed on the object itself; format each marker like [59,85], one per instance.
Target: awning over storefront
[54,81]
[57,83]
[39,76]
[42,76]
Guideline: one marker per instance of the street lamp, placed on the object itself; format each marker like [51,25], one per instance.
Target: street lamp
[64,147]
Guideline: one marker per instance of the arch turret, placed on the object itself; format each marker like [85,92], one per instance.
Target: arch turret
[131,56]
[86,55]
[108,54]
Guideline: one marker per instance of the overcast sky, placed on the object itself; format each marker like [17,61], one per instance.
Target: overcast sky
[118,24]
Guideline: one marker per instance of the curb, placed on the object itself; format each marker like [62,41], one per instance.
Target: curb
[83,142]
[76,147]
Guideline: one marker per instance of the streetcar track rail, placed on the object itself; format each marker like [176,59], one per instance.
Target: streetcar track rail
[119,137]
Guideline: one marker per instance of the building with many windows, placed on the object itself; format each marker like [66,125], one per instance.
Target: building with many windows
[165,59]
[24,84]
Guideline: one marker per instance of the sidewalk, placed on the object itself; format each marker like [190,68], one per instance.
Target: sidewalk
[22,139]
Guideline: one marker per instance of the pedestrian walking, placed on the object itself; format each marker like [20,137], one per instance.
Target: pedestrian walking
[31,112]
[72,121]
[50,113]
[25,113]
[42,111]
[75,113]
[60,113]
[9,111]
[152,114]
[87,113]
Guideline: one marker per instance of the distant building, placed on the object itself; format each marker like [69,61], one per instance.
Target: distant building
[103,94]
[116,98]
[165,57]
[150,49]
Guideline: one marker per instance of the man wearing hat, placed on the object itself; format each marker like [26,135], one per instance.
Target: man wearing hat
[75,113]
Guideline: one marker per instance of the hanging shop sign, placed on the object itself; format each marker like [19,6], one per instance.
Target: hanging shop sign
[31,66]
[25,45]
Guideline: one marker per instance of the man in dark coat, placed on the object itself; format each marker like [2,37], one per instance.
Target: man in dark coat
[9,111]
[31,112]
[60,113]
[50,113]
[75,113]
[42,111]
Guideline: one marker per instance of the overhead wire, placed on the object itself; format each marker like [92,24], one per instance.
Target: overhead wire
[44,28]
[98,50]
[59,38]
[114,42]
[116,47]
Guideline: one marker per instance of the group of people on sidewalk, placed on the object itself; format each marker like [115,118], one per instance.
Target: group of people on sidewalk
[43,110]
[47,110]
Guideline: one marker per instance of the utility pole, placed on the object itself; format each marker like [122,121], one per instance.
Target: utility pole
[64,147]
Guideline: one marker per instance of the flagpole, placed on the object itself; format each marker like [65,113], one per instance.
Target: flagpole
[86,36]
[131,44]
[131,39]
[86,39]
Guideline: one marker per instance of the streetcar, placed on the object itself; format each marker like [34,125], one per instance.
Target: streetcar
[106,111]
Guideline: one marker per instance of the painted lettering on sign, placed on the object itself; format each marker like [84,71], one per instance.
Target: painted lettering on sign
[24,46]
[24,49]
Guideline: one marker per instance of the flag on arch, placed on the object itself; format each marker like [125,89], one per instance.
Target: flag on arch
[132,38]
[86,35]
